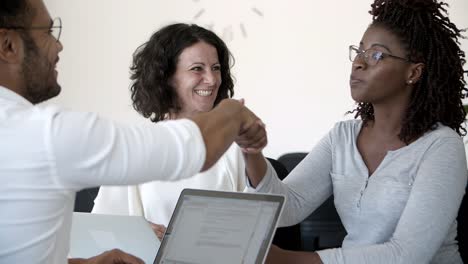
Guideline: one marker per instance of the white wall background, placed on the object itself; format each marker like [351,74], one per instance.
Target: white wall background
[291,59]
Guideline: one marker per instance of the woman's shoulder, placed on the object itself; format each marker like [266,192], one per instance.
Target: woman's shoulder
[348,124]
[443,131]
[440,132]
[346,130]
[439,138]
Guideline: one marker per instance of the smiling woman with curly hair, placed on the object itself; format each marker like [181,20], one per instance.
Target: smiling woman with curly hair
[181,71]
[155,62]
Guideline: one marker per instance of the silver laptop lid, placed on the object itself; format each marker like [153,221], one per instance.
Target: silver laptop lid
[220,227]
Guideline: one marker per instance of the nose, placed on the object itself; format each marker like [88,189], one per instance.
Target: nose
[210,78]
[59,46]
[359,63]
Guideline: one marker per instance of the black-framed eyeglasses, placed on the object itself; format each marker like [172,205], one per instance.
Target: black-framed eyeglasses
[371,56]
[55,29]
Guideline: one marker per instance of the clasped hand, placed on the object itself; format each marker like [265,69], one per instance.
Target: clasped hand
[253,136]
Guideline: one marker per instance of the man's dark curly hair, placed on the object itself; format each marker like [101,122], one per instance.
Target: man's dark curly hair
[154,63]
[431,38]
[15,13]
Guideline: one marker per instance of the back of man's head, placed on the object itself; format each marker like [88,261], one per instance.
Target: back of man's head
[15,13]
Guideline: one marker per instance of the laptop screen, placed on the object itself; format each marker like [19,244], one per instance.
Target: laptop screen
[220,227]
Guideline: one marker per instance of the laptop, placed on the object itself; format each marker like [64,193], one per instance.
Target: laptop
[220,227]
[92,234]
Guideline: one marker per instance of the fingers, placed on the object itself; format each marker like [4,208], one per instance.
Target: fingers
[254,138]
[124,258]
[256,149]
[248,119]
[114,256]
[254,133]
[158,229]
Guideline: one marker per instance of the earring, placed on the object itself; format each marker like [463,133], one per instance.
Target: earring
[409,82]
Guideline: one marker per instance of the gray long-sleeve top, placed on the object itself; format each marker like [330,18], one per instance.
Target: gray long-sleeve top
[404,213]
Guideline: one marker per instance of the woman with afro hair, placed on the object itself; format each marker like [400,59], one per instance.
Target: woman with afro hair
[398,170]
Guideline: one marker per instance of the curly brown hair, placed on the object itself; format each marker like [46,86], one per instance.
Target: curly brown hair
[429,36]
[154,63]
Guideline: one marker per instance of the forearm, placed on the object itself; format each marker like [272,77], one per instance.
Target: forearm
[76,261]
[277,255]
[255,167]
[108,153]
[302,257]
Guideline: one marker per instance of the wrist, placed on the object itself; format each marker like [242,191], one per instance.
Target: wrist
[231,105]
[233,111]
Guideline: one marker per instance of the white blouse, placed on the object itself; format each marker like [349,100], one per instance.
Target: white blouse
[156,200]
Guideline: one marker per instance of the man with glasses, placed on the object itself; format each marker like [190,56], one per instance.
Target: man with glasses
[48,154]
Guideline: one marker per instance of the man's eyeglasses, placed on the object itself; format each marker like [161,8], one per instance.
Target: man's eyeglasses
[370,56]
[55,29]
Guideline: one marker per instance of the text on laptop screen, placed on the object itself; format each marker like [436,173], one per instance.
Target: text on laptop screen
[207,230]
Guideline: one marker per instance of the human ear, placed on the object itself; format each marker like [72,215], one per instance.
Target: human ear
[10,46]
[415,72]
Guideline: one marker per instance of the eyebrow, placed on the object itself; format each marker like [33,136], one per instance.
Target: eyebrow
[196,63]
[202,63]
[378,45]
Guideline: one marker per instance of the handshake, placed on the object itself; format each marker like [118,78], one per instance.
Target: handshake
[252,136]
[230,121]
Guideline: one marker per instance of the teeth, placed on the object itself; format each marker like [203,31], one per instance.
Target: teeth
[204,92]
